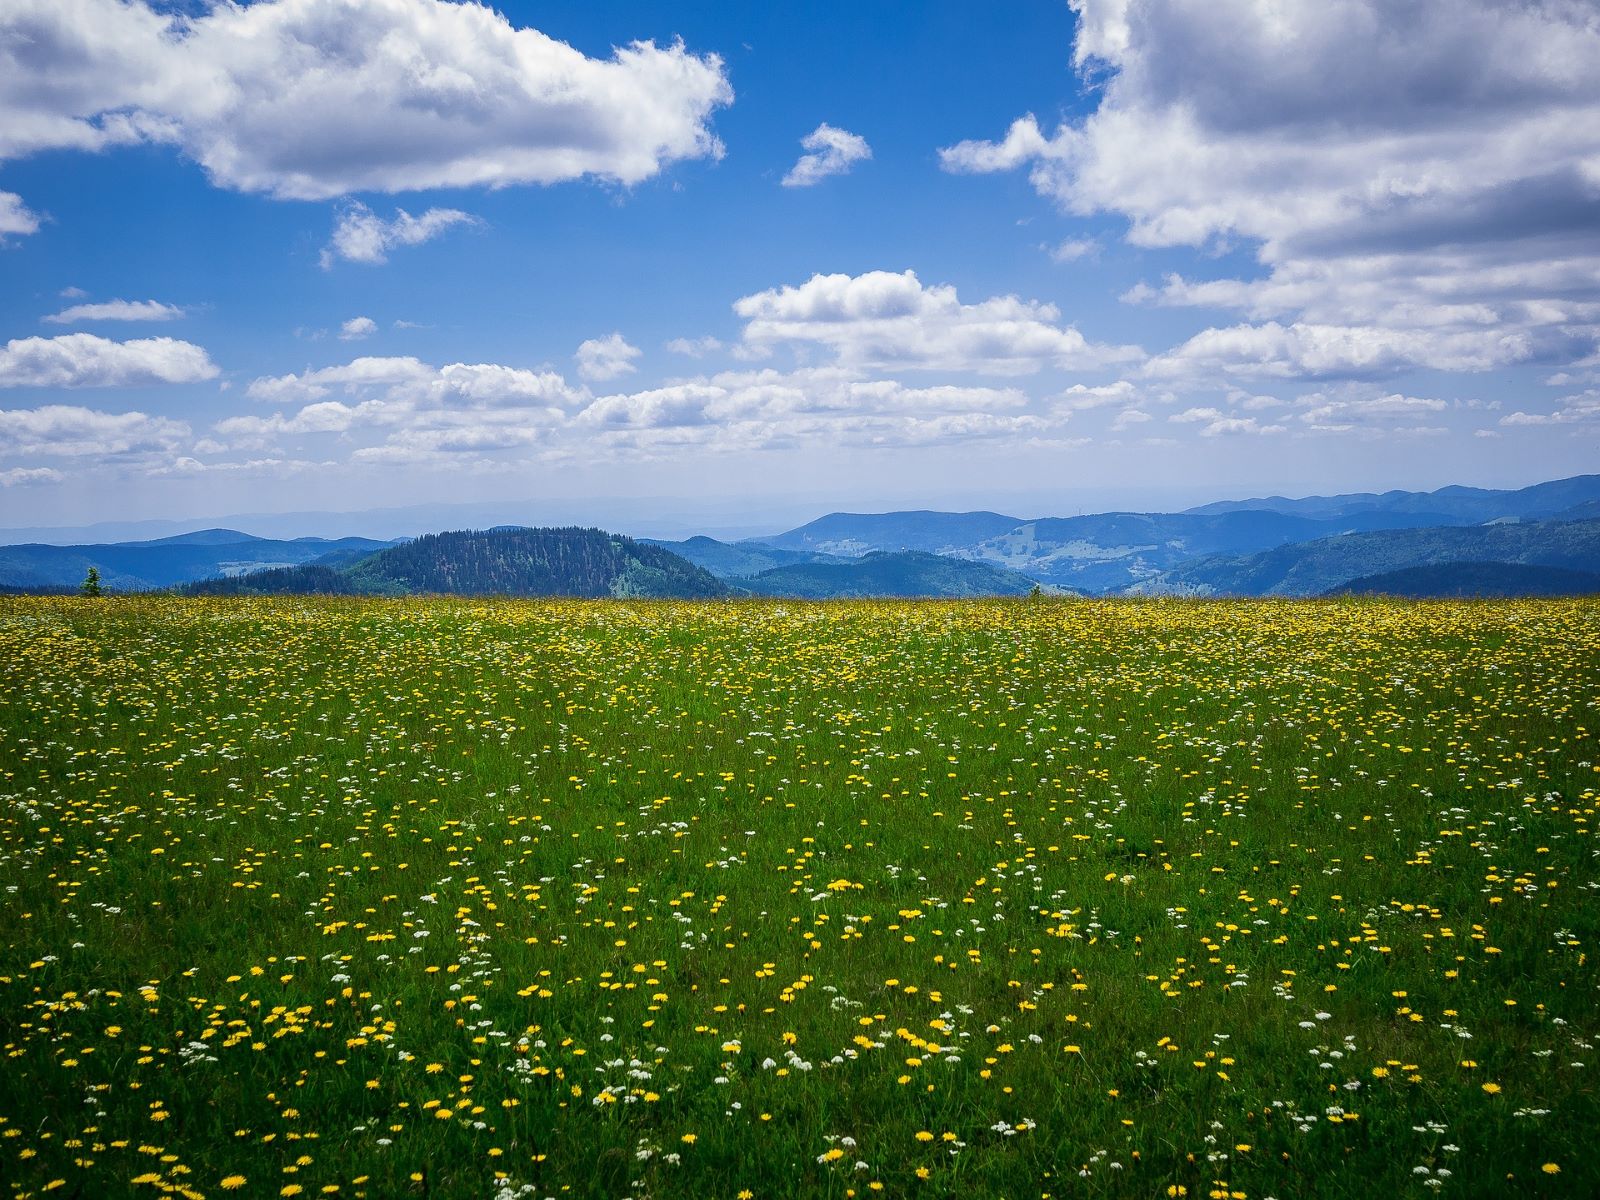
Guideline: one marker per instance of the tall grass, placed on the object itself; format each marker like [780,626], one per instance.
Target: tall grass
[1024,899]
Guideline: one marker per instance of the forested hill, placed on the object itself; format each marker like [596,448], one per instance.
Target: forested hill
[499,562]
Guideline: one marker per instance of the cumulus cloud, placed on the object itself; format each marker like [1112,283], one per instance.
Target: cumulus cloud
[1084,396]
[1309,351]
[1371,414]
[30,476]
[16,218]
[116,310]
[312,99]
[402,411]
[361,236]
[1580,408]
[1073,249]
[357,328]
[605,358]
[1216,423]
[416,410]
[767,409]
[68,431]
[1425,170]
[77,360]
[694,347]
[829,151]
[892,320]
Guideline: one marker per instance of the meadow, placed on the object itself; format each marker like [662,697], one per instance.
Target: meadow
[1027,899]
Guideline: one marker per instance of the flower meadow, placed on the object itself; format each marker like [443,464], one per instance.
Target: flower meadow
[1029,898]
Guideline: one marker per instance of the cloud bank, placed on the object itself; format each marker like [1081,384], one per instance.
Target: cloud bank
[1424,177]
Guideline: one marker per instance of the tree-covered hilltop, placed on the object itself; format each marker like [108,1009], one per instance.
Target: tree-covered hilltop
[497,562]
[308,580]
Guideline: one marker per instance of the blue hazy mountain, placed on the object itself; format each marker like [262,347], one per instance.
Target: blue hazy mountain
[1446,506]
[1474,580]
[165,562]
[850,535]
[732,560]
[882,573]
[1203,550]
[1111,551]
[1314,568]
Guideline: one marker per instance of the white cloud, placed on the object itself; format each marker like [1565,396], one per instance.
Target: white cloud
[1083,396]
[68,431]
[417,410]
[1581,408]
[885,319]
[1305,351]
[76,360]
[1073,249]
[829,151]
[30,476]
[357,328]
[16,218]
[117,310]
[694,347]
[605,358]
[311,99]
[361,236]
[404,411]
[1423,174]
[1215,423]
[770,409]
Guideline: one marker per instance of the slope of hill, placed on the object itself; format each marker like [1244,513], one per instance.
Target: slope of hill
[501,562]
[139,566]
[729,560]
[1312,568]
[311,579]
[1474,580]
[851,535]
[908,573]
[1447,506]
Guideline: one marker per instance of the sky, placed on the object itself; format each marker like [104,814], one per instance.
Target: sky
[741,264]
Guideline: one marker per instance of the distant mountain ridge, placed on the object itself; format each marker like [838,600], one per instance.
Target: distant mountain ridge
[1271,545]
[886,574]
[165,562]
[1454,505]
[1474,580]
[733,560]
[851,535]
[1314,568]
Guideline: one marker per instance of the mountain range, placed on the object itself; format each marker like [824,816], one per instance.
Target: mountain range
[1462,540]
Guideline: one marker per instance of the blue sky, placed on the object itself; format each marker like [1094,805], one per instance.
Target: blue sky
[1044,256]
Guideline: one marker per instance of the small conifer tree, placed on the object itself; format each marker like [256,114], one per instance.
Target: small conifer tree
[91,583]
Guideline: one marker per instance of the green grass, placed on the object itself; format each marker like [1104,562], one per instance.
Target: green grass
[1015,898]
